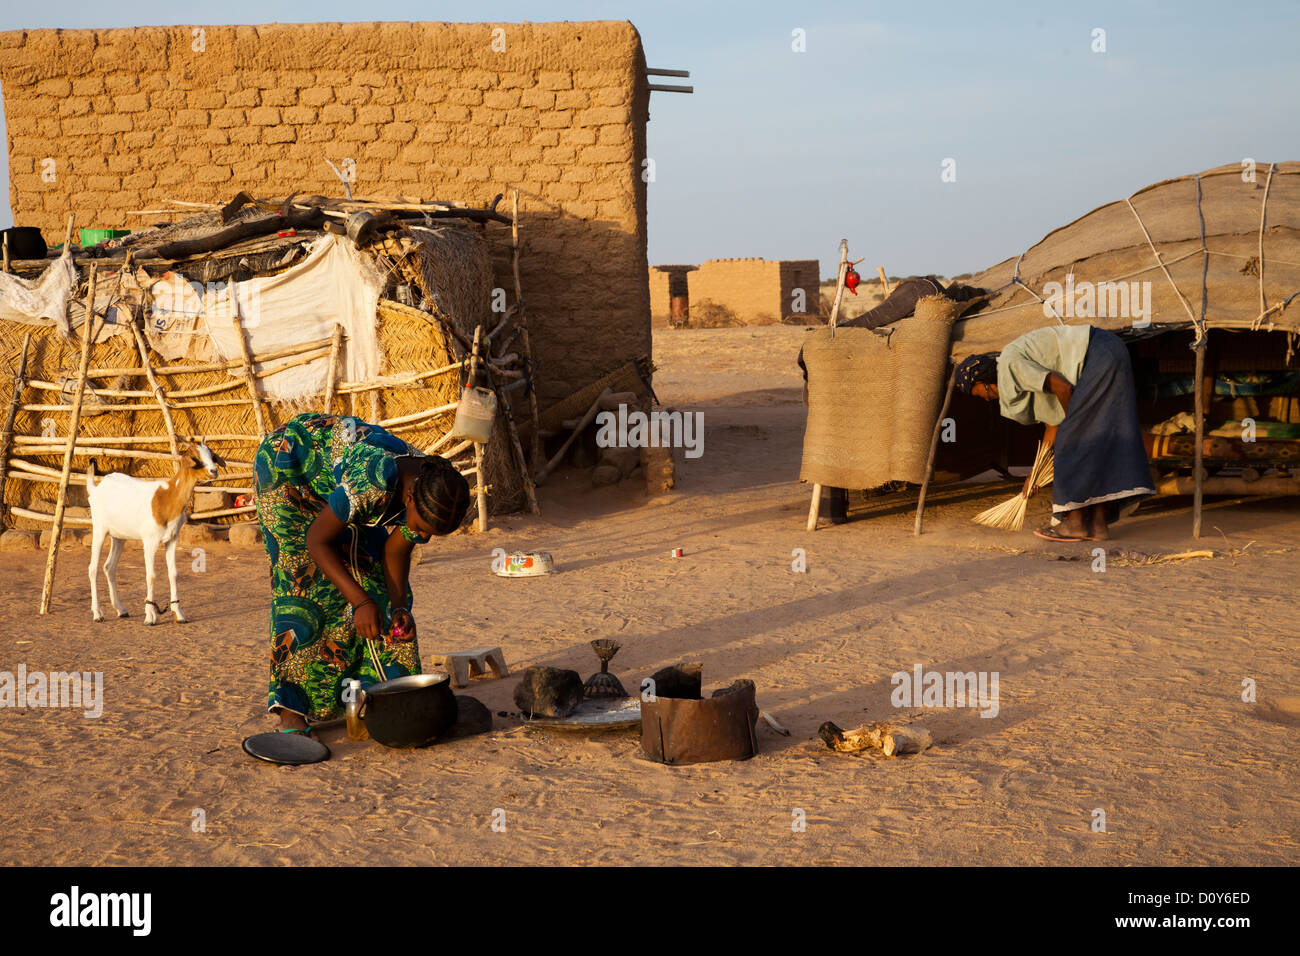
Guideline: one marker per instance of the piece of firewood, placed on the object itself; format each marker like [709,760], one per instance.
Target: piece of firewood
[905,740]
[846,741]
[889,739]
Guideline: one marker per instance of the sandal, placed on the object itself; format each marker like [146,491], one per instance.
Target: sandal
[296,730]
[1051,534]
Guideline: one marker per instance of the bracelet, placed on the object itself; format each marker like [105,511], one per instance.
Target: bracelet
[358,607]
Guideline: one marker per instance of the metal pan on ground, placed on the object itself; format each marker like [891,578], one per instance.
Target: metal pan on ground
[289,749]
[526,564]
[595,715]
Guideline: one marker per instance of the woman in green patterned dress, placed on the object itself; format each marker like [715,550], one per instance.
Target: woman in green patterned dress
[342,503]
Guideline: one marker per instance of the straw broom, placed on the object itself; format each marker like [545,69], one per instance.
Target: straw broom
[1010,515]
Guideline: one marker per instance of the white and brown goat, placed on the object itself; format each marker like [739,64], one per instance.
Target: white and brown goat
[149,511]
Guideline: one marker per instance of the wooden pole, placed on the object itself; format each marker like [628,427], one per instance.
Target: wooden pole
[234,383]
[529,488]
[480,491]
[249,377]
[839,284]
[6,261]
[514,251]
[473,357]
[419,416]
[1198,470]
[331,374]
[143,348]
[41,440]
[815,507]
[934,447]
[884,282]
[480,488]
[223,512]
[7,437]
[303,351]
[42,516]
[524,344]
[139,406]
[841,271]
[87,336]
[116,451]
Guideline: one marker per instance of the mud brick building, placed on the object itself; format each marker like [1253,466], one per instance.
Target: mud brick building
[103,122]
[759,291]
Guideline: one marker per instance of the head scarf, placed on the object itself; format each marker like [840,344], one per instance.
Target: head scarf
[977,369]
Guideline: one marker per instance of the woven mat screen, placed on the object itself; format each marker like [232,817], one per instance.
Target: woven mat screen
[873,398]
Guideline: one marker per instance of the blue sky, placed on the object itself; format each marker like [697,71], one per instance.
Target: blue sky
[780,154]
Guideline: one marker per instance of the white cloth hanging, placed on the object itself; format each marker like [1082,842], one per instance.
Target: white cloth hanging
[39,301]
[333,285]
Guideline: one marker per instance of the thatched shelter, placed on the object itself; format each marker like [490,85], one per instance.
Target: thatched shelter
[226,323]
[1201,275]
[1221,250]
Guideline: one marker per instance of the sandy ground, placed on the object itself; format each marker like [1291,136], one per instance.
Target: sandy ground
[1118,690]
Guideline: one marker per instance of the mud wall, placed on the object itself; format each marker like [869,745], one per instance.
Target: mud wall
[103,122]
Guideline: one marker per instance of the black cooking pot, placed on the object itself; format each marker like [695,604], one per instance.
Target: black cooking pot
[25,242]
[407,711]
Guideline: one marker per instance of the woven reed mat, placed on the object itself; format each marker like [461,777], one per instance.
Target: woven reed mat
[872,399]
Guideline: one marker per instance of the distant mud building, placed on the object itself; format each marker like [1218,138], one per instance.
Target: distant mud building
[755,291]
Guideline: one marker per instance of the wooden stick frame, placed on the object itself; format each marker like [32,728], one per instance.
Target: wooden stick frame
[227,366]
[247,371]
[161,395]
[249,377]
[480,492]
[530,490]
[303,359]
[524,343]
[1198,468]
[934,448]
[87,337]
[167,401]
[331,374]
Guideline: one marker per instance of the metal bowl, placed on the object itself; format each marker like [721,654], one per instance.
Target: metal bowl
[407,711]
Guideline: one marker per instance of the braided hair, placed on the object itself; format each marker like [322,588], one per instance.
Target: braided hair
[441,494]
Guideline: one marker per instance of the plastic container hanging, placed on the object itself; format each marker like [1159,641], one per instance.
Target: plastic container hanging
[474,415]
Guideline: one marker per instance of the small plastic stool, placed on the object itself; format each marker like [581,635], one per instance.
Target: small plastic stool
[462,665]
